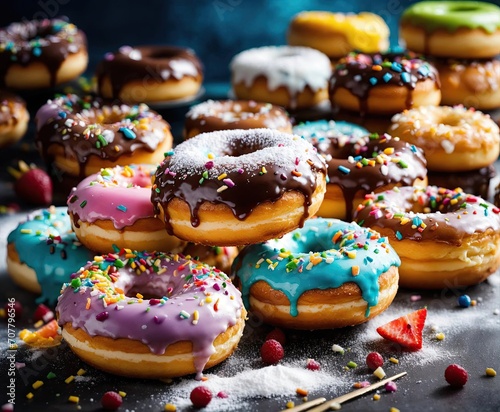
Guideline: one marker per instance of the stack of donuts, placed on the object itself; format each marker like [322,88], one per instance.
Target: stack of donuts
[462,40]
[163,248]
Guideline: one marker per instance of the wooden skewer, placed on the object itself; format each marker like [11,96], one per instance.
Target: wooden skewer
[324,405]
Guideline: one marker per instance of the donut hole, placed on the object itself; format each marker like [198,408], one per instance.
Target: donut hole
[452,121]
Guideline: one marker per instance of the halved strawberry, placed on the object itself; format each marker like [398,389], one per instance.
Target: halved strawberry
[406,330]
[33,185]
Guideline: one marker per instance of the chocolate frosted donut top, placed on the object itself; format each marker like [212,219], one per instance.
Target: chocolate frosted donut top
[150,64]
[238,114]
[48,42]
[366,163]
[10,105]
[238,168]
[428,213]
[86,127]
[359,73]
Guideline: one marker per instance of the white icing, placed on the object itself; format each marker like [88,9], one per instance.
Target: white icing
[292,67]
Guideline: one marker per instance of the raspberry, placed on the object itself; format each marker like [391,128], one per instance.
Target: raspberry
[374,360]
[200,396]
[312,365]
[271,352]
[111,401]
[455,375]
[277,334]
[42,312]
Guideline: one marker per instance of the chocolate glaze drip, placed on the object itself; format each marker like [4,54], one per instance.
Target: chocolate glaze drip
[81,135]
[150,64]
[357,74]
[10,103]
[444,220]
[48,42]
[351,179]
[252,186]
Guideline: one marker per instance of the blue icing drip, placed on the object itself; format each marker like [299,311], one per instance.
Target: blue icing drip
[52,262]
[294,274]
[321,129]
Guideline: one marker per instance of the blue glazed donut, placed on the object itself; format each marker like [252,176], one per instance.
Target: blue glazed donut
[327,274]
[324,129]
[43,252]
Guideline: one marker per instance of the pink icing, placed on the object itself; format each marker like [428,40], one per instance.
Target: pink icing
[179,286]
[121,194]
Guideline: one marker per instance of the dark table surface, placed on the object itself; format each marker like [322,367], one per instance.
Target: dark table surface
[472,339]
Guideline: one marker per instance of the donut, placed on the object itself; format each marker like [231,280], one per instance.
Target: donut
[214,115]
[112,209]
[148,74]
[41,53]
[14,118]
[445,238]
[462,29]
[326,129]
[328,274]
[383,83]
[79,136]
[476,182]
[150,315]
[358,165]
[236,187]
[221,257]
[43,251]
[473,83]
[337,34]
[375,123]
[290,76]
[453,138]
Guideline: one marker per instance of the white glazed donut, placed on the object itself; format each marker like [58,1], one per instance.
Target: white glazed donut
[289,76]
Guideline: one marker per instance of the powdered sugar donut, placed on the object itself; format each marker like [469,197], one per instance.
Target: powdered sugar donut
[215,115]
[235,187]
[195,320]
[290,76]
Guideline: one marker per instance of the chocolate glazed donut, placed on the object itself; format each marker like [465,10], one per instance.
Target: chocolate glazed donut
[146,67]
[362,75]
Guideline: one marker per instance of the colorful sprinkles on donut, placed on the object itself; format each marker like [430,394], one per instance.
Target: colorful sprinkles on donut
[324,254]
[155,298]
[431,208]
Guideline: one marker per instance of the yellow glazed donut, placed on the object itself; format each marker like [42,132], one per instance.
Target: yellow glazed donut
[473,83]
[290,76]
[453,138]
[337,34]
[328,274]
[461,29]
[147,74]
[236,187]
[41,53]
[140,314]
[14,118]
[445,238]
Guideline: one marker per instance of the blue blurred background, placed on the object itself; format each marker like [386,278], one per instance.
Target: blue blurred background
[215,29]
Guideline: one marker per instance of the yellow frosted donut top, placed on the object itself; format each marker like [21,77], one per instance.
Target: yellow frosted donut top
[366,32]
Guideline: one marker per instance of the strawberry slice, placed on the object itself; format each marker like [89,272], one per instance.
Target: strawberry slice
[32,185]
[406,330]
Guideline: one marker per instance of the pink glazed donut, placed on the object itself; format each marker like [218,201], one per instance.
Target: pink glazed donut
[150,315]
[112,209]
